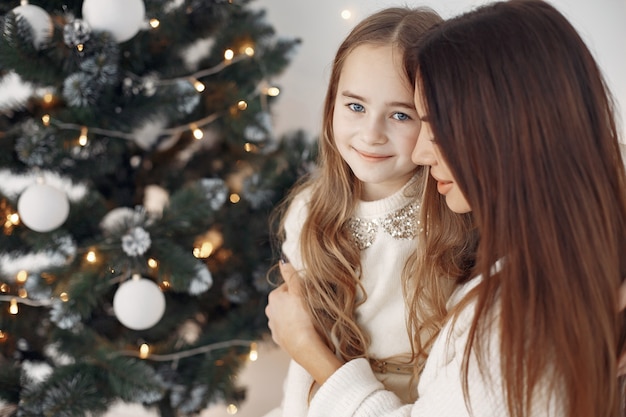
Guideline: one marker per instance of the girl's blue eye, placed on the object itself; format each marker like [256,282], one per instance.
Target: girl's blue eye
[356,107]
[401,116]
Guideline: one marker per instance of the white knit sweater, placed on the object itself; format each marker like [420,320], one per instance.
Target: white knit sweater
[353,391]
[386,231]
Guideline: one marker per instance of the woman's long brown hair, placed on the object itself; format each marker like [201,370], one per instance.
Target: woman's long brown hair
[521,113]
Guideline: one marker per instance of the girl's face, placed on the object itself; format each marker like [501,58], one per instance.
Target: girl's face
[427,152]
[375,123]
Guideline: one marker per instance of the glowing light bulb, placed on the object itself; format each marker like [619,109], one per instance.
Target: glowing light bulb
[199,86]
[249,51]
[273,91]
[229,54]
[346,14]
[21,277]
[45,119]
[197,133]
[204,251]
[14,218]
[153,263]
[154,23]
[254,353]
[232,409]
[64,297]
[242,105]
[144,351]
[13,309]
[234,198]
[82,139]
[91,257]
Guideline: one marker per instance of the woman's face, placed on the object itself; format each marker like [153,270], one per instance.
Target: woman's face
[426,152]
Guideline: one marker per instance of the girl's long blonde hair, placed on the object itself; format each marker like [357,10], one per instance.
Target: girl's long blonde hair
[331,259]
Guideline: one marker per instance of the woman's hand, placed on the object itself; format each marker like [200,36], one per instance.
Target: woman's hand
[292,328]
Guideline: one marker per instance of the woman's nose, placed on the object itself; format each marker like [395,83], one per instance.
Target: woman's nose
[423,153]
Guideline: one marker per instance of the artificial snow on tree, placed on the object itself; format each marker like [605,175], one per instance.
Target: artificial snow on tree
[39,22]
[136,185]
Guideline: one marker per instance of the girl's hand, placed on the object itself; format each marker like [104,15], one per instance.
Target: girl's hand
[292,328]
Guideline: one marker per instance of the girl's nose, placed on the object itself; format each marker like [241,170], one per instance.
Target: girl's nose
[374,132]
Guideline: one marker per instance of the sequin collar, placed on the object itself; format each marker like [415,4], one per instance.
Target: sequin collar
[401,224]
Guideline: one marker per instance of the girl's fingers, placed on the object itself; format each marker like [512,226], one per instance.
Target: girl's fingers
[288,273]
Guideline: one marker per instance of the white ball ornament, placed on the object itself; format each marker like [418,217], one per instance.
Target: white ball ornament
[43,208]
[39,21]
[122,18]
[139,303]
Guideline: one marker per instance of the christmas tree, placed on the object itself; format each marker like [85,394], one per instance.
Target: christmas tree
[137,178]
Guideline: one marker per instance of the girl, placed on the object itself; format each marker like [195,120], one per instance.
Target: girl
[518,129]
[351,227]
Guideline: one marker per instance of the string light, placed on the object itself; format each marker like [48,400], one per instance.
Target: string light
[234,198]
[204,251]
[33,303]
[346,14]
[13,309]
[144,351]
[242,105]
[273,91]
[22,293]
[4,287]
[153,263]
[254,353]
[248,50]
[232,409]
[21,277]
[250,147]
[3,336]
[47,98]
[91,257]
[191,352]
[80,47]
[197,132]
[154,23]
[64,297]
[230,58]
[198,85]
[82,139]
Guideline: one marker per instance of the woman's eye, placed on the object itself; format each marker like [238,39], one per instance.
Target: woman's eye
[401,116]
[356,107]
